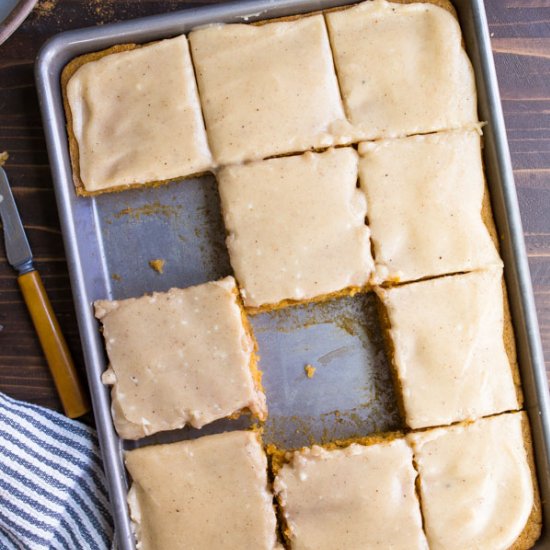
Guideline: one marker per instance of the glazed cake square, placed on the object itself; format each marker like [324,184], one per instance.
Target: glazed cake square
[211,492]
[134,116]
[296,228]
[268,89]
[356,497]
[477,484]
[402,68]
[449,348]
[181,357]
[426,206]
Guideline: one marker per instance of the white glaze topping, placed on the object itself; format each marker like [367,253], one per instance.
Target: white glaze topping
[178,357]
[268,89]
[475,483]
[353,498]
[296,226]
[402,69]
[449,351]
[425,196]
[136,117]
[202,494]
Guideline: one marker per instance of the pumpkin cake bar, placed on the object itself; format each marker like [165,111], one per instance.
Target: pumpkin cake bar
[268,89]
[477,484]
[296,228]
[402,68]
[452,348]
[134,117]
[426,199]
[211,492]
[361,496]
[186,356]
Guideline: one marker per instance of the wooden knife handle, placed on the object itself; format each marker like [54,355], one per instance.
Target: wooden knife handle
[73,398]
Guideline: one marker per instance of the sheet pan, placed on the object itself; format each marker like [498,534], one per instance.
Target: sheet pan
[110,238]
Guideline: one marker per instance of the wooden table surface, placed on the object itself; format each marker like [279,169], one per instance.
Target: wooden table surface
[520,31]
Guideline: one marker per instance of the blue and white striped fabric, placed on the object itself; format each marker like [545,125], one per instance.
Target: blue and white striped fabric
[52,486]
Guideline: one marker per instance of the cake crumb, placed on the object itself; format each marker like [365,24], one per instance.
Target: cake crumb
[4,158]
[45,7]
[116,277]
[152,209]
[157,265]
[310,370]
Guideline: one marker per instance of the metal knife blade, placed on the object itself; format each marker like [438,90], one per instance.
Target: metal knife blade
[18,250]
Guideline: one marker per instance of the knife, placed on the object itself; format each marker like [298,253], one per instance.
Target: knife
[72,395]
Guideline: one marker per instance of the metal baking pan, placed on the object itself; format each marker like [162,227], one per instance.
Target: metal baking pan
[110,238]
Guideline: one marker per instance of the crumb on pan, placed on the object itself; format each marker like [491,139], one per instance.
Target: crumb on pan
[157,265]
[310,370]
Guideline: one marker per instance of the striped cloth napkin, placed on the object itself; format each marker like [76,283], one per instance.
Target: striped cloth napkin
[52,486]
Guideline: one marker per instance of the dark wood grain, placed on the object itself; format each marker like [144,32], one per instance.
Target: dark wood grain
[520,31]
